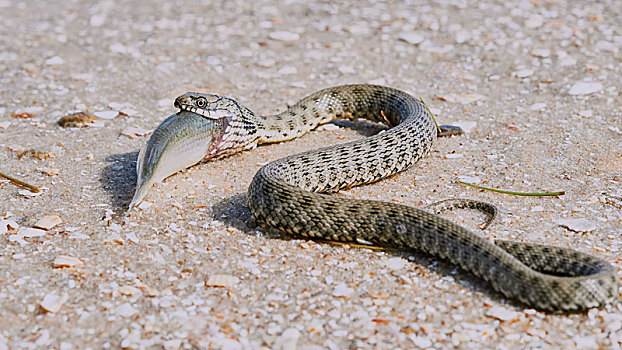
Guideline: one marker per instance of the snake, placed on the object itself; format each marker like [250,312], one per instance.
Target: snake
[293,195]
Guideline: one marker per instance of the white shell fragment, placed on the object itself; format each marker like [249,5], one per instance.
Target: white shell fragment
[583,88]
[8,225]
[49,222]
[30,232]
[66,261]
[577,225]
[464,98]
[411,38]
[342,291]
[125,310]
[466,126]
[53,303]
[225,281]
[284,36]
[133,132]
[106,114]
[523,73]
[503,314]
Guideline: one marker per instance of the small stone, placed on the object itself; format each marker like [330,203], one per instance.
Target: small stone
[49,222]
[342,291]
[577,225]
[411,37]
[66,261]
[284,36]
[54,61]
[29,193]
[97,20]
[106,114]
[5,124]
[537,106]
[586,113]
[345,69]
[462,36]
[523,73]
[463,98]
[420,342]
[503,314]
[396,263]
[542,53]
[225,281]
[466,126]
[287,340]
[129,291]
[53,303]
[125,310]
[287,70]
[583,88]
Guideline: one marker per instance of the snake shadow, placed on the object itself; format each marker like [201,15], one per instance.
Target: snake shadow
[118,178]
[234,212]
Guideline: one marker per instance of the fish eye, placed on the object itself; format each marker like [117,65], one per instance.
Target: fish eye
[201,102]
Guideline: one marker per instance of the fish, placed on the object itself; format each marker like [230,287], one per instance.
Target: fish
[179,142]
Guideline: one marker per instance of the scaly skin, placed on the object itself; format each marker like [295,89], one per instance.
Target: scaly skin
[284,194]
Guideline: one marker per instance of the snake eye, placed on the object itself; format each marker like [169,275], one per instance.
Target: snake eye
[201,102]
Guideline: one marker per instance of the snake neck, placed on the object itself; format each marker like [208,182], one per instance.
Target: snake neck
[240,132]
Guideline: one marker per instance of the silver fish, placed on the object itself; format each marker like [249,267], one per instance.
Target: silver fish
[182,140]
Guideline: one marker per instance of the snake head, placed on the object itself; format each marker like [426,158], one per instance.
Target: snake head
[239,123]
[208,105]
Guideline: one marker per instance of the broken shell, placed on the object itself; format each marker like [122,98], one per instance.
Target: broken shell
[52,302]
[76,120]
[221,281]
[66,261]
[49,222]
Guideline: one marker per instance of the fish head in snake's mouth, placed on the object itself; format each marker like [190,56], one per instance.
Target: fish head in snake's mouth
[239,128]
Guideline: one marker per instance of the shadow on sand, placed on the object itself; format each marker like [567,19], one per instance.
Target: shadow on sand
[118,178]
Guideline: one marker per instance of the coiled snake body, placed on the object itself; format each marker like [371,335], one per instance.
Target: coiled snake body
[286,194]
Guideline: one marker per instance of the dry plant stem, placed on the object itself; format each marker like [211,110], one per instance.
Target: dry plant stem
[532,194]
[20,183]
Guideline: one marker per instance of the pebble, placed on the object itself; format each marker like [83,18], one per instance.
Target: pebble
[578,225]
[54,61]
[66,261]
[125,310]
[537,106]
[420,342]
[48,222]
[396,263]
[412,37]
[503,314]
[5,124]
[584,88]
[284,36]
[226,281]
[342,291]
[463,98]
[53,302]
[542,53]
[466,126]
[287,340]
[106,114]
[523,73]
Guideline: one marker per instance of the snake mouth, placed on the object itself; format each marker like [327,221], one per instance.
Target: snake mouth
[207,113]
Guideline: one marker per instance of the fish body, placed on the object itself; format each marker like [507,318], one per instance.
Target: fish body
[182,140]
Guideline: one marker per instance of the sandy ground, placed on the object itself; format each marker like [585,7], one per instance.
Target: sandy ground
[537,83]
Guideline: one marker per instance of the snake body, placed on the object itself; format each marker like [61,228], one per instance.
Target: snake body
[286,194]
